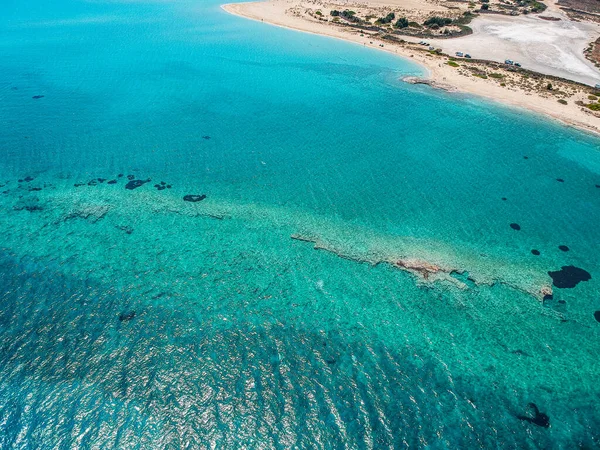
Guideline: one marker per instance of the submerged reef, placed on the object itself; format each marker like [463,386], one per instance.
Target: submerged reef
[539,418]
[569,276]
[194,198]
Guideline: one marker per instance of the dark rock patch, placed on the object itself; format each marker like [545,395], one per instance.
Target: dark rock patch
[535,252]
[34,189]
[14,88]
[79,184]
[101,180]
[130,177]
[504,198]
[564,248]
[28,179]
[27,207]
[169,186]
[194,198]
[112,182]
[206,137]
[5,192]
[560,180]
[126,317]
[598,186]
[36,97]
[548,297]
[163,183]
[92,183]
[597,315]
[515,226]
[127,229]
[159,187]
[525,157]
[134,184]
[91,213]
[569,276]
[540,419]
[330,361]
[120,175]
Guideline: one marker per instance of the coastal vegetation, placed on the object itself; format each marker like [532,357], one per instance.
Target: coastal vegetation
[402,23]
[385,20]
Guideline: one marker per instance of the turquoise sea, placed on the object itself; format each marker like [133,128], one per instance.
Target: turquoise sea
[274,313]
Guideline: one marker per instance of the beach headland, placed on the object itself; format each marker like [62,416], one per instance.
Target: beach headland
[553,96]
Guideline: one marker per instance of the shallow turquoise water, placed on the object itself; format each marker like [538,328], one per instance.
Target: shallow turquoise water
[242,336]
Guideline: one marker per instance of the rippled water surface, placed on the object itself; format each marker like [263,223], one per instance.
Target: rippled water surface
[350,280]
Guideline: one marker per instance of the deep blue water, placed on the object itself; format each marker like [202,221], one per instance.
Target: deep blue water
[134,319]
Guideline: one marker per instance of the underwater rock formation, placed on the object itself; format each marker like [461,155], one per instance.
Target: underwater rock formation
[134,184]
[540,419]
[194,198]
[569,276]
[126,317]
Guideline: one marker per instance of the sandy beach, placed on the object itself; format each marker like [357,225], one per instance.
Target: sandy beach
[563,102]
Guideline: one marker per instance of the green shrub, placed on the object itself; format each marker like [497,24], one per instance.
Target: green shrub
[592,97]
[453,64]
[318,13]
[386,19]
[439,21]
[335,13]
[562,101]
[594,106]
[496,75]
[401,23]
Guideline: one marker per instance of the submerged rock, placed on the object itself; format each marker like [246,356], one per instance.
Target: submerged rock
[127,229]
[504,198]
[91,213]
[125,317]
[564,248]
[112,182]
[28,179]
[194,198]
[560,180]
[569,276]
[206,137]
[540,419]
[535,252]
[134,184]
[27,207]
[36,97]
[515,226]
[597,315]
[130,177]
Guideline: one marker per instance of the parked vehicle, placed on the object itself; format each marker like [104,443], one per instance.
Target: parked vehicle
[467,55]
[517,64]
[508,61]
[459,54]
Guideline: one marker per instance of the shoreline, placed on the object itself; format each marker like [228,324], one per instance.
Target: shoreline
[435,70]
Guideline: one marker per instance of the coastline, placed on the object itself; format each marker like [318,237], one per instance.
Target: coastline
[436,71]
